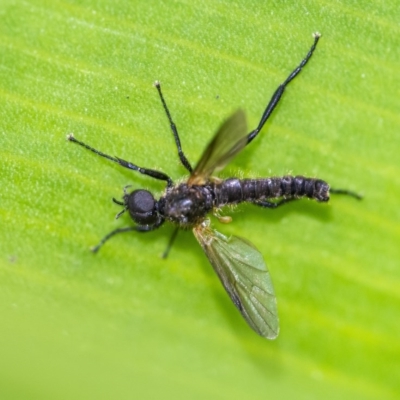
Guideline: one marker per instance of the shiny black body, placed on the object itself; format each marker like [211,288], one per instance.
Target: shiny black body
[234,190]
[187,205]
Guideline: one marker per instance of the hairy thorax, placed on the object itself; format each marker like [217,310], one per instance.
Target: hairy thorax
[186,205]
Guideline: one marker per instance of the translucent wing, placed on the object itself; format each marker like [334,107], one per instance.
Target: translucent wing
[230,138]
[242,271]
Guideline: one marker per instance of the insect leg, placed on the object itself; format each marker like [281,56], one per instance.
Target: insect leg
[145,171]
[137,228]
[174,130]
[96,248]
[120,203]
[271,204]
[346,192]
[171,242]
[279,92]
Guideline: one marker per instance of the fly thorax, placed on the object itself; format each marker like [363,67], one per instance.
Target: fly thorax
[187,205]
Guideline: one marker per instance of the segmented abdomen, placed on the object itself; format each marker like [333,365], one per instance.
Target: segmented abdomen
[234,190]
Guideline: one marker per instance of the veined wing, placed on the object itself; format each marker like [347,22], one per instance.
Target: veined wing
[230,138]
[242,271]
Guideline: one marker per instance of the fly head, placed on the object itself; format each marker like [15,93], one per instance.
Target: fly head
[142,207]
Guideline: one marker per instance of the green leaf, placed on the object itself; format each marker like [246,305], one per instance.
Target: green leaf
[126,324]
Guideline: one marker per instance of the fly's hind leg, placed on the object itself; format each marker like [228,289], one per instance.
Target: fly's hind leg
[346,192]
[279,92]
[272,204]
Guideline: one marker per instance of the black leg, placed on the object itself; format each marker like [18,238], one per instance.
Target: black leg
[121,212]
[120,203]
[279,92]
[346,192]
[149,172]
[170,243]
[182,156]
[271,204]
[96,248]
[137,228]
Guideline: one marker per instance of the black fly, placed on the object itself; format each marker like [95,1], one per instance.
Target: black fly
[238,264]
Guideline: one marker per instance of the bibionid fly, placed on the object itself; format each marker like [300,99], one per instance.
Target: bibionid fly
[238,264]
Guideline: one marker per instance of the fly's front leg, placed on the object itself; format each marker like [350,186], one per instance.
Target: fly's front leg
[96,248]
[145,171]
[137,228]
[174,130]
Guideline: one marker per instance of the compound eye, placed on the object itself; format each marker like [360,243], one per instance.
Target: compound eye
[141,201]
[142,207]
